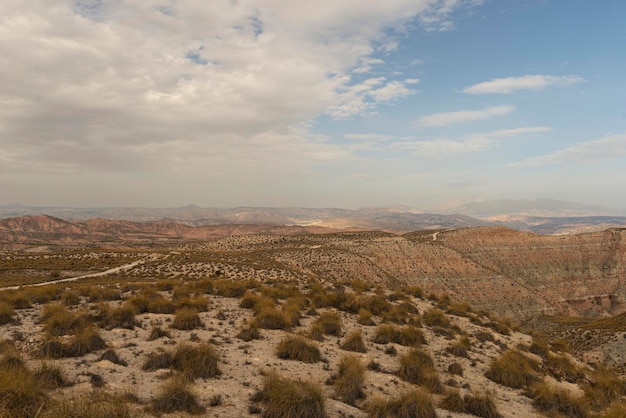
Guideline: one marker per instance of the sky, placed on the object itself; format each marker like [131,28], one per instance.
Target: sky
[333,103]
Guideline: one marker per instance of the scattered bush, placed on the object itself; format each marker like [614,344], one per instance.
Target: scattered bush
[436,318]
[557,401]
[605,388]
[158,332]
[6,313]
[186,319]
[456,369]
[269,317]
[295,347]
[513,369]
[349,380]
[50,376]
[453,402]
[86,341]
[58,320]
[176,396]
[412,404]
[481,406]
[330,323]
[121,317]
[285,398]
[157,360]
[407,336]
[250,332]
[196,360]
[354,342]
[111,355]
[418,367]
[364,317]
[21,395]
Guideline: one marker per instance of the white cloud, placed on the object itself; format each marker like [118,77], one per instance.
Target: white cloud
[368,137]
[527,82]
[412,81]
[192,87]
[449,118]
[606,148]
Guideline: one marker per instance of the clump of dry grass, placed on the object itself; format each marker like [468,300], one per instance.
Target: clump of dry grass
[286,398]
[329,322]
[199,360]
[354,342]
[513,369]
[436,318]
[86,341]
[418,367]
[6,313]
[58,320]
[186,319]
[481,405]
[113,357]
[158,332]
[412,404]
[556,401]
[349,380]
[21,394]
[120,317]
[176,396]
[250,332]
[606,387]
[364,317]
[93,405]
[460,348]
[407,336]
[50,376]
[157,360]
[296,347]
[269,317]
[456,369]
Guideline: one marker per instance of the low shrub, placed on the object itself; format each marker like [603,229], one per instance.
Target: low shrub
[354,342]
[176,396]
[513,369]
[557,401]
[417,367]
[250,332]
[120,317]
[605,388]
[481,406]
[411,404]
[268,317]
[157,360]
[436,318]
[453,402]
[456,369]
[50,376]
[330,323]
[86,341]
[199,360]
[158,332]
[349,380]
[186,319]
[364,317]
[407,336]
[286,398]
[58,320]
[111,355]
[296,347]
[21,395]
[6,313]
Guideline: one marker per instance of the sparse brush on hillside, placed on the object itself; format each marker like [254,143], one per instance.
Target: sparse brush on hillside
[349,380]
[93,405]
[58,320]
[407,336]
[186,319]
[200,360]
[417,367]
[21,394]
[557,401]
[176,396]
[287,398]
[412,404]
[329,322]
[513,369]
[250,332]
[6,313]
[605,388]
[296,347]
[354,342]
[85,341]
[436,318]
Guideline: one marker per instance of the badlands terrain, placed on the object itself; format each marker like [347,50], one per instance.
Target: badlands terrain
[117,318]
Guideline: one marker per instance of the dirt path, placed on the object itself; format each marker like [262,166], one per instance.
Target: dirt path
[98,274]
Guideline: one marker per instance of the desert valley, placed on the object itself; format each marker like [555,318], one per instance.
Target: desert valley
[104,317]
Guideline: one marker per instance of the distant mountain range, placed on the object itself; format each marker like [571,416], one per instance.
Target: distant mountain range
[543,216]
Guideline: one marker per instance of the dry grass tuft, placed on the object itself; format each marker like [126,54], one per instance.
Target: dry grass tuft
[354,342]
[412,404]
[176,396]
[21,394]
[250,332]
[408,336]
[513,369]
[158,332]
[285,398]
[555,401]
[6,313]
[349,380]
[186,319]
[330,323]
[296,347]
[196,360]
[417,367]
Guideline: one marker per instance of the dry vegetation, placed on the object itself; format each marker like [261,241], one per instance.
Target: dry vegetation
[207,330]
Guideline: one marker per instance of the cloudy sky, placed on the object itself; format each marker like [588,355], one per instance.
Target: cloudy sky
[342,103]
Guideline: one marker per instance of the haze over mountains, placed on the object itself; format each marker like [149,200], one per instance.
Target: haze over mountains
[544,216]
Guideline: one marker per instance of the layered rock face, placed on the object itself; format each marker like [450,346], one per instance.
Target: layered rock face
[515,273]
